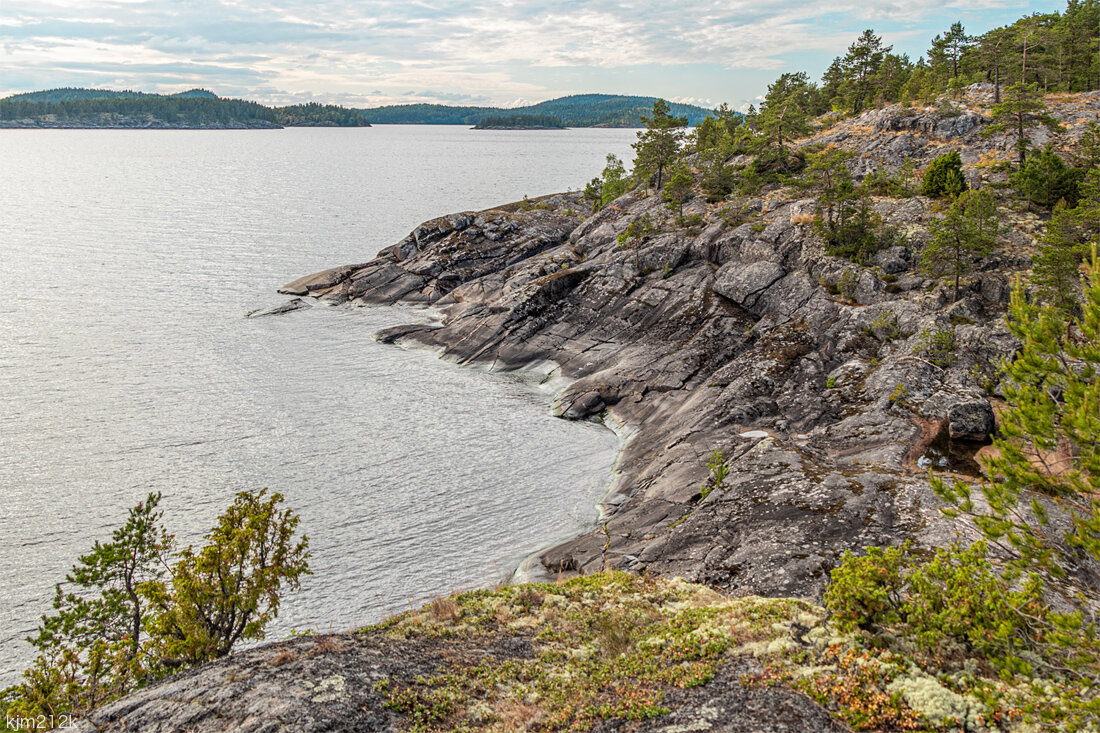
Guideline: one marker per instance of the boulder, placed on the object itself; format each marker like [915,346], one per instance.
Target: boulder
[744,284]
[971,420]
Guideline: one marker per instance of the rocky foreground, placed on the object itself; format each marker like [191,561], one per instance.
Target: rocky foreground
[827,387]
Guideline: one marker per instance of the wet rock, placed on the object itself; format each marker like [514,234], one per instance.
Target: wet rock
[319,281]
[287,307]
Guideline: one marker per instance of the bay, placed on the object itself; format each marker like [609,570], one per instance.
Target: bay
[128,260]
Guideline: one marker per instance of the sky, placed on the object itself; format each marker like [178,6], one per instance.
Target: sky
[365,53]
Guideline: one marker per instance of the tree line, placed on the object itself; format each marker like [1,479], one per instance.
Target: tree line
[520,122]
[175,110]
[579,110]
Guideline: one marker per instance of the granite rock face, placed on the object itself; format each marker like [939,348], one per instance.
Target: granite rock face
[692,338]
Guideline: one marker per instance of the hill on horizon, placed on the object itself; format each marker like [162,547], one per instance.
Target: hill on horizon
[195,108]
[79,94]
[576,110]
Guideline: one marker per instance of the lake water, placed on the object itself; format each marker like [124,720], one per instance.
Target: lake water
[129,259]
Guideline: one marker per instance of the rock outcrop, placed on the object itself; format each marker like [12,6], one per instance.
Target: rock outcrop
[728,333]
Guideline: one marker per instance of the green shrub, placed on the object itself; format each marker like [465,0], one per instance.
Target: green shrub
[129,613]
[848,284]
[957,599]
[900,396]
[898,185]
[636,231]
[865,590]
[937,345]
[1044,179]
[885,328]
[719,469]
[944,177]
[610,185]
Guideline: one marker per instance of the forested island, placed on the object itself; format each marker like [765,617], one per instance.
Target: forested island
[578,110]
[854,336]
[193,109]
[520,122]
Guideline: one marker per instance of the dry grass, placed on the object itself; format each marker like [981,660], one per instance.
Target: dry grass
[516,717]
[444,610]
[327,644]
[282,658]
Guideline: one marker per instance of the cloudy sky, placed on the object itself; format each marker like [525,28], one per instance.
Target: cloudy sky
[500,52]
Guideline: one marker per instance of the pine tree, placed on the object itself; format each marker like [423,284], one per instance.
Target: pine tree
[94,646]
[125,616]
[609,185]
[859,66]
[944,176]
[1064,245]
[784,115]
[1045,179]
[1049,444]
[659,143]
[948,49]
[678,188]
[844,216]
[969,230]
[1022,109]
[1057,265]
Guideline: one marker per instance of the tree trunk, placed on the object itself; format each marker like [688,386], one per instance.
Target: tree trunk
[1020,139]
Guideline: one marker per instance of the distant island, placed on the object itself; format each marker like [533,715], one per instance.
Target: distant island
[578,110]
[202,109]
[521,122]
[193,109]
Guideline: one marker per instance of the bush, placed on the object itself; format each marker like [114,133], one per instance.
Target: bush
[938,346]
[610,185]
[1044,179]
[944,177]
[995,607]
[957,599]
[865,591]
[880,183]
[231,588]
[119,625]
[853,232]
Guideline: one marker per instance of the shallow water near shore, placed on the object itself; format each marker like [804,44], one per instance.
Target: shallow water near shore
[129,259]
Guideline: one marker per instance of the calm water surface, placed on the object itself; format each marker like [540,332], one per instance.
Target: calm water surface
[128,260]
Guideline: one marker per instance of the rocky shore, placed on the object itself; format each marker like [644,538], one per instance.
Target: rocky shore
[739,335]
[729,330]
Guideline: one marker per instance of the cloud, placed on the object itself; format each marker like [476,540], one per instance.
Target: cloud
[501,50]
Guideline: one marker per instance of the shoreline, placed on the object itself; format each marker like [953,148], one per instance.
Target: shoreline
[554,382]
[694,341]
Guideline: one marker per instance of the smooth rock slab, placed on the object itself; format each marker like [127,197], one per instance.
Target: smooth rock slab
[744,284]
